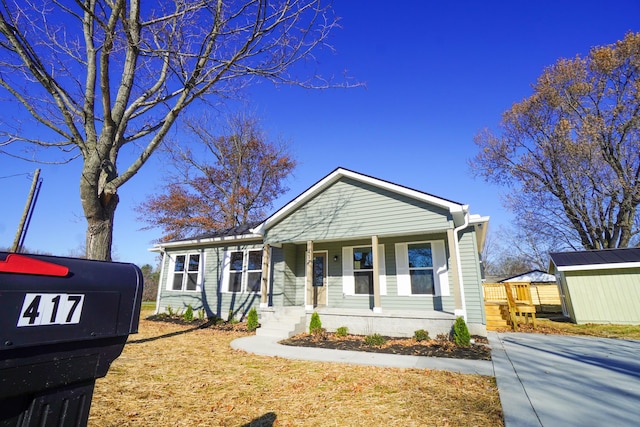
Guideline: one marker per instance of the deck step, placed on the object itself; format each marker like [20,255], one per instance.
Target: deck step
[497,316]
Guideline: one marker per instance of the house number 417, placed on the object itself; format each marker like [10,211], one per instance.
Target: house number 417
[50,309]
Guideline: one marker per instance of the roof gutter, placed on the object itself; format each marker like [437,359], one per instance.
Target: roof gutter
[462,311]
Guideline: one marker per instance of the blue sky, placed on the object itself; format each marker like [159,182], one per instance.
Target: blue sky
[436,73]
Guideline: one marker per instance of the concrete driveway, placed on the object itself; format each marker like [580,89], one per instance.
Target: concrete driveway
[554,380]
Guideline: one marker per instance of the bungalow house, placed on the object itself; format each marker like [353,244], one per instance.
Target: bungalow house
[599,286]
[364,253]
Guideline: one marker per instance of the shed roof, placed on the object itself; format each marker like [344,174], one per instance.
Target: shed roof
[595,260]
[531,277]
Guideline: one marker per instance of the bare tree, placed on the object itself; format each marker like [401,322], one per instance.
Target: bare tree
[571,151]
[101,78]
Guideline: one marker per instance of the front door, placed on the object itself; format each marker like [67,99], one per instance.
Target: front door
[319,282]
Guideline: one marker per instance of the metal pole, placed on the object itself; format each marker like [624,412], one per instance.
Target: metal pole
[16,243]
[33,207]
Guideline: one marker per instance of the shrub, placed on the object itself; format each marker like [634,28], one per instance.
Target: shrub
[461,333]
[342,331]
[375,340]
[188,314]
[315,325]
[252,320]
[421,335]
[201,314]
[170,311]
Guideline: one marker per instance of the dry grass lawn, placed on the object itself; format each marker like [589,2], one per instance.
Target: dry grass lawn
[172,375]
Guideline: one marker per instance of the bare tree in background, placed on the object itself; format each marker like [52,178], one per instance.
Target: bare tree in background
[105,81]
[224,181]
[570,153]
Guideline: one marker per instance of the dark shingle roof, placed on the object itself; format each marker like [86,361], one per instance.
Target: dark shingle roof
[235,231]
[605,256]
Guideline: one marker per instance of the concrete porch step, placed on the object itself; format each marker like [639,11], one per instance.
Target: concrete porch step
[282,323]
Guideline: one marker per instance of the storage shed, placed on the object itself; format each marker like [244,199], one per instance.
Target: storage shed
[599,286]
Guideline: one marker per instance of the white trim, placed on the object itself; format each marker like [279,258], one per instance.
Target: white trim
[403,276]
[160,280]
[440,268]
[457,211]
[609,266]
[382,270]
[325,278]
[456,242]
[348,281]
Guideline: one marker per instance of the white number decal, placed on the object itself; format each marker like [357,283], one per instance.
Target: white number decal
[50,309]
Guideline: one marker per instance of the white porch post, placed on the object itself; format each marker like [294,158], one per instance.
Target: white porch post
[376,275]
[264,286]
[309,276]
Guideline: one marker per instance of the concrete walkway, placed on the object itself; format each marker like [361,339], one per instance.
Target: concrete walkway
[559,380]
[543,380]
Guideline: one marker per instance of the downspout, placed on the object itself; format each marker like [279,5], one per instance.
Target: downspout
[164,254]
[463,310]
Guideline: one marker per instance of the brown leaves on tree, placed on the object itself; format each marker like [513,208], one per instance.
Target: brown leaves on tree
[227,181]
[571,151]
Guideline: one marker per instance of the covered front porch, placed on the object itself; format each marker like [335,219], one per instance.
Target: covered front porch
[375,273]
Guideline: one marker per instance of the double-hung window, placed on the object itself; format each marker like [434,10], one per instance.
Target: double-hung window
[421,268]
[186,273]
[363,270]
[357,270]
[243,271]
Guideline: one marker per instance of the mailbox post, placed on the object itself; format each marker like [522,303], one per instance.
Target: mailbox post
[63,321]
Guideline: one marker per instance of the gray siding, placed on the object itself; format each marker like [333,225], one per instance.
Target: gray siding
[472,277]
[293,283]
[210,296]
[351,209]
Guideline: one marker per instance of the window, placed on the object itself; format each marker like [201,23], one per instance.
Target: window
[243,272]
[421,268]
[363,270]
[186,273]
[357,270]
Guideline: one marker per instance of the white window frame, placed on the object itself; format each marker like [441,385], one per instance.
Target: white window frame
[440,270]
[226,271]
[348,280]
[172,266]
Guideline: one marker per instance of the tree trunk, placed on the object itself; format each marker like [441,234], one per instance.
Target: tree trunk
[99,202]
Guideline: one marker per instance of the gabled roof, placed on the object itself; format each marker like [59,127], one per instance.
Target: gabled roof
[595,260]
[457,210]
[532,276]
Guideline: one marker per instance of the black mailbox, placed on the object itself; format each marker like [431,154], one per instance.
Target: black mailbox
[62,322]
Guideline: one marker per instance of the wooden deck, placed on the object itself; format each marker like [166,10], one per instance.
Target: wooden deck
[503,312]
